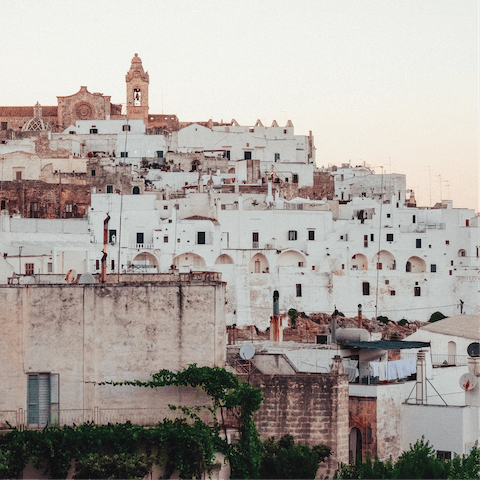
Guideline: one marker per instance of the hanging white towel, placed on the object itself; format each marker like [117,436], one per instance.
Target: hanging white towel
[391,371]
[375,368]
[382,371]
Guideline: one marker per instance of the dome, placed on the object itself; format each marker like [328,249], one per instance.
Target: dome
[37,124]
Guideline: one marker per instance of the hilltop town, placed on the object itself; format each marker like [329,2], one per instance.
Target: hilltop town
[132,242]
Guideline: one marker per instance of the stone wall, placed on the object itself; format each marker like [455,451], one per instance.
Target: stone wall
[101,172]
[311,408]
[51,199]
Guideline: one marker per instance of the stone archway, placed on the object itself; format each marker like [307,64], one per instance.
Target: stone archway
[144,262]
[259,264]
[189,261]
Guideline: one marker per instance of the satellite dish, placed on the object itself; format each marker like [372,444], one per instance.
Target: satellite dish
[247,351]
[86,279]
[71,276]
[473,349]
[468,381]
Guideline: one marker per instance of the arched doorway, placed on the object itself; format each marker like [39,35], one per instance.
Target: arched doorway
[136,191]
[190,261]
[415,265]
[224,260]
[291,258]
[355,445]
[144,263]
[359,262]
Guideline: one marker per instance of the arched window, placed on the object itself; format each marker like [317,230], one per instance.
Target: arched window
[136,191]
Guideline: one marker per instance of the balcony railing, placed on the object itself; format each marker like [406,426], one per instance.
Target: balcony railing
[142,246]
[101,416]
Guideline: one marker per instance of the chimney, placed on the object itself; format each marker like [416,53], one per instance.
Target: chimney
[359,315]
[337,365]
[276,332]
[421,386]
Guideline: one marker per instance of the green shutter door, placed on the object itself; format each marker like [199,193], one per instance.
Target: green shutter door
[44,399]
[32,395]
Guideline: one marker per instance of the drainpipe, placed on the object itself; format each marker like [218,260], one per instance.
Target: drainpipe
[421,386]
[275,320]
[105,244]
[359,315]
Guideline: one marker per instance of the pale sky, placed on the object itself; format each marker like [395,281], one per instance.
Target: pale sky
[392,83]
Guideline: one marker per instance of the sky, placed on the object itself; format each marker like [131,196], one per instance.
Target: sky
[392,84]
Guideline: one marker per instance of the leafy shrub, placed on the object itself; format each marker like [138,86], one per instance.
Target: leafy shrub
[293,314]
[383,319]
[285,459]
[436,317]
[403,322]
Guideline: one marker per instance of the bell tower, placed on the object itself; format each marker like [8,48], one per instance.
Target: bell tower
[137,90]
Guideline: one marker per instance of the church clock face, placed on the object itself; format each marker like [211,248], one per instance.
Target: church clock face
[84,111]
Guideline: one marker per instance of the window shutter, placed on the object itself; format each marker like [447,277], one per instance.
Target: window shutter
[32,394]
[43,399]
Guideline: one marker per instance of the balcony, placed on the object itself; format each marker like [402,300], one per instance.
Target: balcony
[141,246]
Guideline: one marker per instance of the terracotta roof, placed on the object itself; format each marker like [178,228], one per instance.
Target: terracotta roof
[198,217]
[27,111]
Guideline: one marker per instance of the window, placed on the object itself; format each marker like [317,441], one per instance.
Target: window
[433,268]
[300,264]
[285,131]
[254,239]
[299,289]
[295,178]
[113,265]
[451,263]
[277,157]
[343,266]
[97,264]
[417,291]
[200,238]
[247,155]
[165,207]
[93,130]
[365,240]
[109,188]
[379,266]
[42,398]
[450,272]
[92,173]
[292,235]
[140,238]
[126,128]
[414,219]
[447,242]
[392,293]
[18,175]
[311,235]
[444,454]
[71,132]
[165,239]
[112,236]
[136,191]
[4,125]
[69,207]
[124,154]
[159,153]
[226,154]
[389,237]
[388,215]
[33,210]
[387,282]
[366,288]
[313,267]
[418,243]
[49,267]
[2,205]
[372,236]
[29,268]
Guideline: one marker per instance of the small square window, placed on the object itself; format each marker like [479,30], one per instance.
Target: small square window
[343,266]
[126,128]
[313,267]
[159,153]
[450,272]
[165,239]
[311,234]
[247,155]
[29,268]
[418,243]
[379,266]
[387,282]
[4,125]
[392,293]
[109,188]
[93,130]
[292,235]
[124,154]
[295,178]
[18,175]
[447,242]
[299,289]
[388,215]
[140,238]
[417,292]
[92,172]
[49,267]
[389,237]
[433,267]
[366,288]
[178,240]
[300,264]
[277,157]
[165,207]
